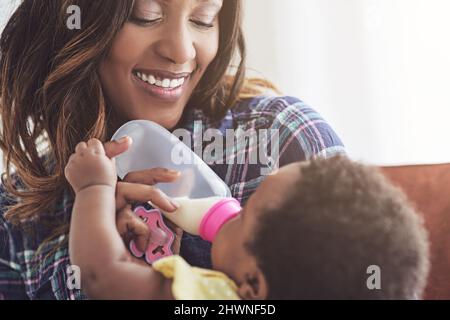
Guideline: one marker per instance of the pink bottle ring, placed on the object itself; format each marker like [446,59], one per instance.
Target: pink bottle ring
[217,216]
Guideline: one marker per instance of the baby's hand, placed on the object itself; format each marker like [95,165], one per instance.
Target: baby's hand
[90,166]
[131,227]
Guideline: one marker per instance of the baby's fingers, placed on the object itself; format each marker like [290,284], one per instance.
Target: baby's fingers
[131,227]
[82,146]
[96,146]
[140,233]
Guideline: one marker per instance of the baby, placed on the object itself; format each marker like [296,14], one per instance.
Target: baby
[313,230]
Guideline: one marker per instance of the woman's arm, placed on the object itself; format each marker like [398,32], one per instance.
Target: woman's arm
[95,245]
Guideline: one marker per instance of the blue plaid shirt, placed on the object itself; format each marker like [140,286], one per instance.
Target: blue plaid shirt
[303,134]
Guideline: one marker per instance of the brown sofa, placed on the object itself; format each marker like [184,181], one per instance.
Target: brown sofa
[428,187]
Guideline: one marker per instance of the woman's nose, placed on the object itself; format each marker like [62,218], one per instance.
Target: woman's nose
[177,45]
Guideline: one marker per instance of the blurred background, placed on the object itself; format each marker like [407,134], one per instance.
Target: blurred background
[377,70]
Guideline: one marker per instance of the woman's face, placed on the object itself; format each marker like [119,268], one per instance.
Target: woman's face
[159,57]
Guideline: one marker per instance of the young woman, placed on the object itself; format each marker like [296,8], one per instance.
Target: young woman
[164,61]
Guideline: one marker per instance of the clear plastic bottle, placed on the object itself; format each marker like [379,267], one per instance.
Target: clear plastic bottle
[154,146]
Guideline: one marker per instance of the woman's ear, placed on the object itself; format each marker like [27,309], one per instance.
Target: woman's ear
[254,287]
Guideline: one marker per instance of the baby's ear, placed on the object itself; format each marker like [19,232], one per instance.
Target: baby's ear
[254,287]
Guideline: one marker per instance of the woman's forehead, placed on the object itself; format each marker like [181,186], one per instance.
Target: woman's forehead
[212,2]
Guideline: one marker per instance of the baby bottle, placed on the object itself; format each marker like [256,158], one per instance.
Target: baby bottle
[204,217]
[205,203]
[155,147]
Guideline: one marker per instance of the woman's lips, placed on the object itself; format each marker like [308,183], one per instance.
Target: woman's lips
[165,94]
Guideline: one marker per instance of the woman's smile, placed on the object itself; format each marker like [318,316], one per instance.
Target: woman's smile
[162,85]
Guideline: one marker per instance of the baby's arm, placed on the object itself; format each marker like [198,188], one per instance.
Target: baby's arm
[107,269]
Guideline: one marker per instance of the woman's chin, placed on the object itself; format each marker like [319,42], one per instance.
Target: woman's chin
[168,121]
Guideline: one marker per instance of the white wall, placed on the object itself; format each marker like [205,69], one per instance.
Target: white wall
[6,9]
[378,70]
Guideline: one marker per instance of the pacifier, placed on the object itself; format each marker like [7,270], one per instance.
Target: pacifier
[161,236]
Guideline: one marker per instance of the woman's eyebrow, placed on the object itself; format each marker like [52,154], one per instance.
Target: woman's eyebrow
[215,3]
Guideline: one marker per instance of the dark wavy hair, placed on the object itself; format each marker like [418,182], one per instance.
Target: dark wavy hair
[51,94]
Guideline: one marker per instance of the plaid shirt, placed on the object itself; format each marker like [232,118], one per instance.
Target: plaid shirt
[303,134]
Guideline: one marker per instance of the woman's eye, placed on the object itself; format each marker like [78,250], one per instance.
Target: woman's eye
[144,22]
[203,24]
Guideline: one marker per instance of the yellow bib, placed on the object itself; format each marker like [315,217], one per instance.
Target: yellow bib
[192,283]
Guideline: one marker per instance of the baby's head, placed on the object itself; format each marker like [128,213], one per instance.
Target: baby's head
[312,230]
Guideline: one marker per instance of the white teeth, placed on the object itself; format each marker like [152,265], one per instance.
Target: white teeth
[164,83]
[174,83]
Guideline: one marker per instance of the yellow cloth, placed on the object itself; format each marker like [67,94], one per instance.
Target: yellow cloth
[192,283]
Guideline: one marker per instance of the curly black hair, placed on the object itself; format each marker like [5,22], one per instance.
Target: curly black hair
[340,218]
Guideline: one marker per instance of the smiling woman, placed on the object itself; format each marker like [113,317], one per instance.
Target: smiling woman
[162,60]
[159,57]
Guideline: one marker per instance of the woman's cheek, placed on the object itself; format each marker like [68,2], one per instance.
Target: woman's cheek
[207,48]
